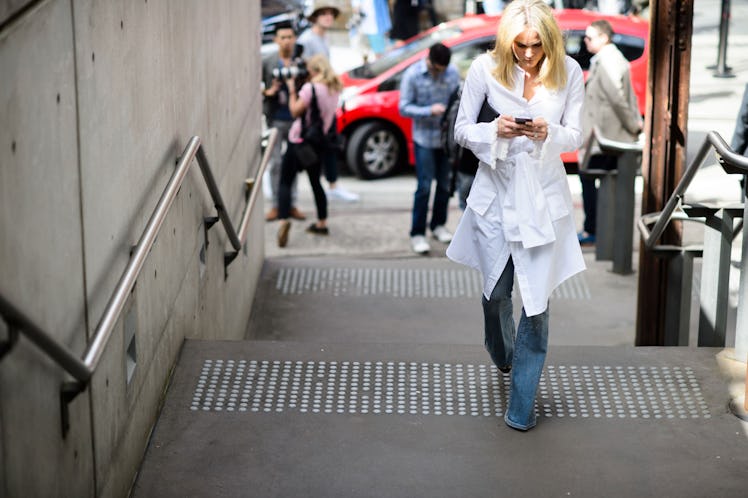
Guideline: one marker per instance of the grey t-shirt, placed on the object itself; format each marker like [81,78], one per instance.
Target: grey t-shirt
[313,44]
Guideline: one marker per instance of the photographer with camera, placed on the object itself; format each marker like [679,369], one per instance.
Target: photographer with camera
[315,41]
[275,69]
[309,140]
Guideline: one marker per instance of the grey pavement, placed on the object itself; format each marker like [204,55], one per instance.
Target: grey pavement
[363,372]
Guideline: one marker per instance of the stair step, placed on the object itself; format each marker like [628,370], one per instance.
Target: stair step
[611,419]
[426,300]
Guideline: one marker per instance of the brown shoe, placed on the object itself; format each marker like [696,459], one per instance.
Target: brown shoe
[296,214]
[285,227]
[272,215]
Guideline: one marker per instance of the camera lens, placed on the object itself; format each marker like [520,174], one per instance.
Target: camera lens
[285,73]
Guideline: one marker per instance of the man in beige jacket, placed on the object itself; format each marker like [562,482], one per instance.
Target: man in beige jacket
[610,104]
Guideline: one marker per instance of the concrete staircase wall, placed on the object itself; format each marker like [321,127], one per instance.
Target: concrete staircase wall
[97,100]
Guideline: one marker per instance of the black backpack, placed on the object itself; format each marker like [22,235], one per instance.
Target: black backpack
[313,132]
[460,158]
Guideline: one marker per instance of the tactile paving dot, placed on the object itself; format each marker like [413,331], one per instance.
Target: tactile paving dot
[443,389]
[401,283]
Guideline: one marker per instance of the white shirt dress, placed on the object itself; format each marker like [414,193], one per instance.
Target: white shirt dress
[519,203]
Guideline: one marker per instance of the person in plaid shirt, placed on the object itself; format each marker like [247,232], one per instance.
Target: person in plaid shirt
[424,94]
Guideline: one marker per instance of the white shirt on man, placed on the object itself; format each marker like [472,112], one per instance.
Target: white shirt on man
[313,44]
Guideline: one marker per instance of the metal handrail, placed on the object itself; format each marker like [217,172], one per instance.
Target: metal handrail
[607,145]
[19,322]
[82,370]
[255,193]
[675,202]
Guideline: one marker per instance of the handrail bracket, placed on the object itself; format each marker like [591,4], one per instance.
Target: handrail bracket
[210,221]
[68,392]
[9,343]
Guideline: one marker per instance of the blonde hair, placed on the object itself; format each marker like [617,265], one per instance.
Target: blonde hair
[324,72]
[518,16]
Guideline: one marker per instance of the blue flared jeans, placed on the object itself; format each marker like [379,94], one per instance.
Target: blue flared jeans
[525,352]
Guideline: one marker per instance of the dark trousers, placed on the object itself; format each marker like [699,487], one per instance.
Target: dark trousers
[589,189]
[289,169]
[330,159]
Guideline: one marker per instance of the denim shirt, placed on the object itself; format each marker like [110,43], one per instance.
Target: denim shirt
[418,91]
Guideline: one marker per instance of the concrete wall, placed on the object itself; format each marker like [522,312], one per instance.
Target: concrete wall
[97,100]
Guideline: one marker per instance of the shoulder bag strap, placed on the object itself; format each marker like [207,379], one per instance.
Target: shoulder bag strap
[315,113]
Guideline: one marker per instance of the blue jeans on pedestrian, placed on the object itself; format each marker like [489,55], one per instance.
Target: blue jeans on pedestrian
[464,183]
[525,353]
[431,164]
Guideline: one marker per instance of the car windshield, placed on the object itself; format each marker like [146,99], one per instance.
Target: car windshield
[399,54]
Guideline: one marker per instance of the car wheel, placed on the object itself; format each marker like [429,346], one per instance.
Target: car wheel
[373,151]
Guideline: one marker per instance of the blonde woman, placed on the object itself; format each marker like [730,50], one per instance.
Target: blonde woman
[322,90]
[519,219]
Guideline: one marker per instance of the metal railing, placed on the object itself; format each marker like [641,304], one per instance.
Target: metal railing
[83,369]
[720,230]
[615,201]
[674,208]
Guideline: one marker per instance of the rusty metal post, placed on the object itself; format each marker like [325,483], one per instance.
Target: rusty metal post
[721,69]
[664,156]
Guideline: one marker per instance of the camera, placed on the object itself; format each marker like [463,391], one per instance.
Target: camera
[297,70]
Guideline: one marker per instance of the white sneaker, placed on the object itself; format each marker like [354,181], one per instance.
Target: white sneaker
[442,234]
[419,244]
[341,194]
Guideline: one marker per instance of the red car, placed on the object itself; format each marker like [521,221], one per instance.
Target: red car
[378,140]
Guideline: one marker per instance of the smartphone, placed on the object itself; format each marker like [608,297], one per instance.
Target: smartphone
[522,120]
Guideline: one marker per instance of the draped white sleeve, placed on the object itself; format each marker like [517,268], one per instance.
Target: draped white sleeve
[478,137]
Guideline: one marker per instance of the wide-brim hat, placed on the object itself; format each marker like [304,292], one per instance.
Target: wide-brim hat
[316,12]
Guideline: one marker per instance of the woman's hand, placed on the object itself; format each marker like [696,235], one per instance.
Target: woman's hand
[291,85]
[537,129]
[296,105]
[507,128]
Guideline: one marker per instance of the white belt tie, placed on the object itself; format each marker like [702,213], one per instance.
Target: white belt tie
[525,210]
